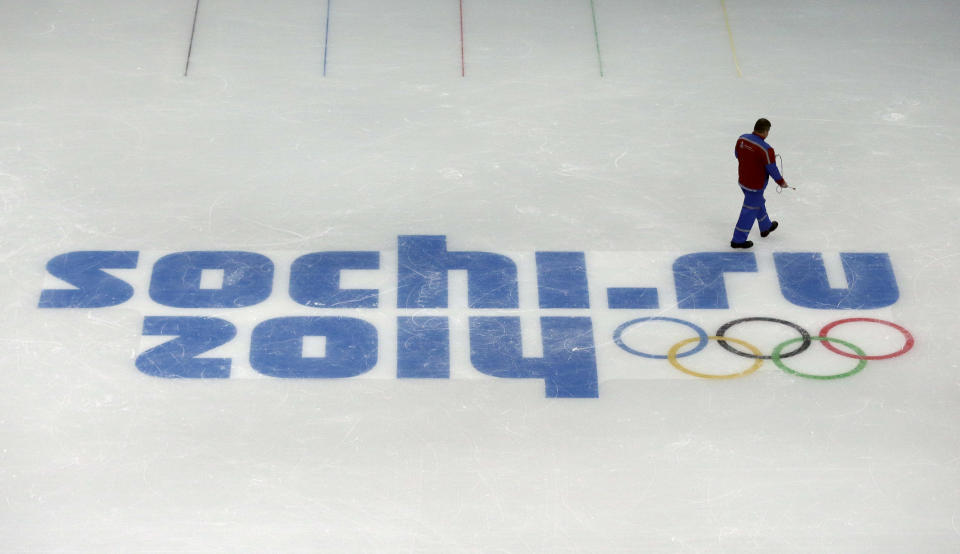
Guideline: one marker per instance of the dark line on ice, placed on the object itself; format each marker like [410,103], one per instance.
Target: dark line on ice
[326,38]
[193,33]
[596,36]
[463,61]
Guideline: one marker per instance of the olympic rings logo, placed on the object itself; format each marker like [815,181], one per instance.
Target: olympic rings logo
[777,355]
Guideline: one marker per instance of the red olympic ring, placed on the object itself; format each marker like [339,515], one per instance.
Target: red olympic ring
[906,347]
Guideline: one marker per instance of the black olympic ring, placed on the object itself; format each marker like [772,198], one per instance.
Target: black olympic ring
[803,334]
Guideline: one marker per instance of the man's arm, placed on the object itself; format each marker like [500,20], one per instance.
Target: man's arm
[773,170]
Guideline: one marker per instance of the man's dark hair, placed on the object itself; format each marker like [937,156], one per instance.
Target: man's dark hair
[762,125]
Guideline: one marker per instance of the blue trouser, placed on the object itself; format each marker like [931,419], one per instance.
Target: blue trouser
[754,209]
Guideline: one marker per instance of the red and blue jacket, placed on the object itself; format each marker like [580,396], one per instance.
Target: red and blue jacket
[758,162]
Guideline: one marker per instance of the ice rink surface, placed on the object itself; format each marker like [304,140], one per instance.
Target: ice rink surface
[576,159]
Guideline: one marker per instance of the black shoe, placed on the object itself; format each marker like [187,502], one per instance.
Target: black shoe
[744,244]
[773,227]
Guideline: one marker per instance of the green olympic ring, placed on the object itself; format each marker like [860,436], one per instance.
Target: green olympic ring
[783,366]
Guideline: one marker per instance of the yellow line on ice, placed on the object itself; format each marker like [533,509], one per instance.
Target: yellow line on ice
[733,47]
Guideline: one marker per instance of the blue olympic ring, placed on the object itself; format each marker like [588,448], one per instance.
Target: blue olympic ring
[618,337]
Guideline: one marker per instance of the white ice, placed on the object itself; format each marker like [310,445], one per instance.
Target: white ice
[106,144]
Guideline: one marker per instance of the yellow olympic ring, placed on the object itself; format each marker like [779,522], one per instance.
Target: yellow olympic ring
[672,356]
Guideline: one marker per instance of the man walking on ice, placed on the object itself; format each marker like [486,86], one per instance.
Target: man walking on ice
[757,165]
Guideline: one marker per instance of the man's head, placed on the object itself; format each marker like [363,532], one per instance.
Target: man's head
[762,127]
